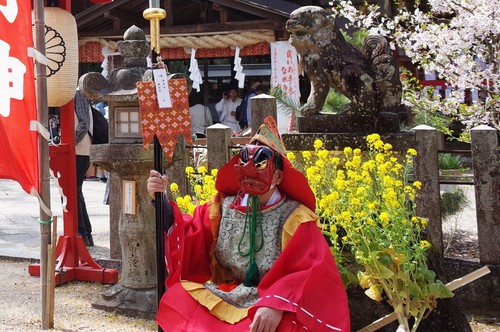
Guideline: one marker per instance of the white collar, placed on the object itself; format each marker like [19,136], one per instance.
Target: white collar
[275,197]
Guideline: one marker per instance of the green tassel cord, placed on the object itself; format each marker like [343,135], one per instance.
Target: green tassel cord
[253,223]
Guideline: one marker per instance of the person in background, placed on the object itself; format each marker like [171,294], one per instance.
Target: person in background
[247,112]
[227,109]
[253,258]
[200,114]
[102,107]
[83,132]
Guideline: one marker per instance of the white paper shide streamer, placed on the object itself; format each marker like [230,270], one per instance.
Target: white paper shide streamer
[238,68]
[195,75]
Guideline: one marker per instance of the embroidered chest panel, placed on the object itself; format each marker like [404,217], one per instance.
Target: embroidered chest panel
[232,235]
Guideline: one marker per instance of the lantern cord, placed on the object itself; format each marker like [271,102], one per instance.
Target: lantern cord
[40,128]
[38,56]
[44,207]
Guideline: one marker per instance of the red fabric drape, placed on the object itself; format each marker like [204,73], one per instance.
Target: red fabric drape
[18,145]
[165,123]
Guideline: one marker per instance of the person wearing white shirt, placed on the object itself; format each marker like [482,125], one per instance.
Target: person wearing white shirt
[227,109]
[201,118]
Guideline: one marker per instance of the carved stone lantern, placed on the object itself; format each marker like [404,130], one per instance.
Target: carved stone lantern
[131,215]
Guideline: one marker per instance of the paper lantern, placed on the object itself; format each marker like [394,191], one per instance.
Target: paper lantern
[61,50]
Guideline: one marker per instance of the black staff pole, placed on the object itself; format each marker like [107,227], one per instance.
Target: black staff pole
[154,14]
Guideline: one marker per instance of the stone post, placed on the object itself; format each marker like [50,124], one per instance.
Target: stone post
[177,171]
[485,163]
[427,171]
[262,105]
[218,143]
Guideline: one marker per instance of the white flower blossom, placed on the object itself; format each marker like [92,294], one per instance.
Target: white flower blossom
[457,39]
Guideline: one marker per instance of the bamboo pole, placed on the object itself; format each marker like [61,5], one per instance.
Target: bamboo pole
[452,285]
[43,154]
[51,272]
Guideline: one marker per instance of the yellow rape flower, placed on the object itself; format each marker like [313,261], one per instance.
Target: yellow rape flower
[384,217]
[323,154]
[189,170]
[411,152]
[372,138]
[291,156]
[174,187]
[202,170]
[425,244]
[197,189]
[318,144]
[320,163]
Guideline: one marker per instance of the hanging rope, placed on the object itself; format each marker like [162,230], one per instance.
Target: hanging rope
[240,39]
[253,224]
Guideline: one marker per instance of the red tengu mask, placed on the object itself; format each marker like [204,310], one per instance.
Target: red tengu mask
[255,169]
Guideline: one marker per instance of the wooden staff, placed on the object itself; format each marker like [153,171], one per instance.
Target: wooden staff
[154,15]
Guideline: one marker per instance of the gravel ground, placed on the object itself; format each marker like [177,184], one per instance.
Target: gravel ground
[20,308]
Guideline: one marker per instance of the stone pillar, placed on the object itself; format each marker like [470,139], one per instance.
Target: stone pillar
[137,236]
[427,171]
[262,106]
[485,163]
[218,143]
[176,171]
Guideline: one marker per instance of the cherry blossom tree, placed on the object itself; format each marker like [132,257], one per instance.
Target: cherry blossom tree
[457,39]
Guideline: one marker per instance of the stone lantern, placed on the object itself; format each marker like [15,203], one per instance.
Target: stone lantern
[131,214]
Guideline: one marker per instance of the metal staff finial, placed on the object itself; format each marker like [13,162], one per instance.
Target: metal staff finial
[154,15]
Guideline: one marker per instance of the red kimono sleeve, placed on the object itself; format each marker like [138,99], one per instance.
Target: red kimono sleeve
[187,245]
[305,281]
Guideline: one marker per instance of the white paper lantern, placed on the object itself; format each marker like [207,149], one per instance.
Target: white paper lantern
[61,50]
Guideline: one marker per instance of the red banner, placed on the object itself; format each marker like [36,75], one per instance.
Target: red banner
[18,144]
[165,123]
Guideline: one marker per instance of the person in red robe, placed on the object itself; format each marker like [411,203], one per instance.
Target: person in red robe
[253,258]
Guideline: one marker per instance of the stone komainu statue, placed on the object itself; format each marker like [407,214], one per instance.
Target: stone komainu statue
[368,77]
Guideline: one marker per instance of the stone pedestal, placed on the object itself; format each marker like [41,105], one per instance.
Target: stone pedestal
[136,293]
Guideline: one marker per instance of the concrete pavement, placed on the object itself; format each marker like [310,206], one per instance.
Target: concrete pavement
[19,214]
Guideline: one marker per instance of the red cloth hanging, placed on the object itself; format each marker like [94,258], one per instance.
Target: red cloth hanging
[18,144]
[166,123]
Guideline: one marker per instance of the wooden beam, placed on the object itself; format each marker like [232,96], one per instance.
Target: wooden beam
[96,12]
[169,8]
[123,16]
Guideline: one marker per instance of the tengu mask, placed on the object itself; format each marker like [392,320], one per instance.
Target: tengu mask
[255,169]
